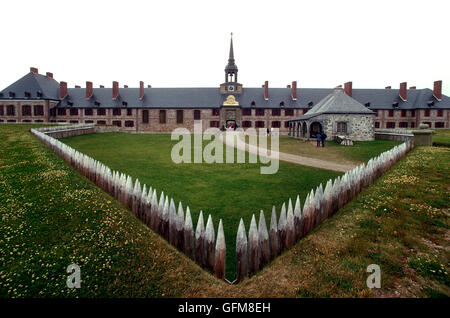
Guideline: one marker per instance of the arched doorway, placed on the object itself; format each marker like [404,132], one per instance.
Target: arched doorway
[315,128]
[304,130]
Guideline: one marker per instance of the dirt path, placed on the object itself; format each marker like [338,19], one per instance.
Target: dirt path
[299,160]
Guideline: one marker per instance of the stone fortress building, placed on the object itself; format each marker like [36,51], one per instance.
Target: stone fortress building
[40,98]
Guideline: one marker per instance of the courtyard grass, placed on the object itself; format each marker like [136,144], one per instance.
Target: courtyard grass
[226,191]
[52,217]
[441,137]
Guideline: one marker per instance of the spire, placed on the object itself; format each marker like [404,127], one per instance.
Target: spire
[231,57]
[231,69]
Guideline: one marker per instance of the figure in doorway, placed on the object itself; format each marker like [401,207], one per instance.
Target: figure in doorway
[318,138]
[323,137]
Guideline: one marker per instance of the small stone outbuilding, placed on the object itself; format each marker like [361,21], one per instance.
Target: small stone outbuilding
[337,115]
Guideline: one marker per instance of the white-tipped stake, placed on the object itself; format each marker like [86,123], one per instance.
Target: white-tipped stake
[200,240]
[274,235]
[241,252]
[290,227]
[282,224]
[172,223]
[209,244]
[220,254]
[297,218]
[253,247]
[188,235]
[263,236]
[180,227]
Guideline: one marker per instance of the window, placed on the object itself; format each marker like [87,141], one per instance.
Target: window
[61,112]
[88,121]
[10,110]
[101,112]
[38,121]
[1,110]
[367,104]
[73,112]
[74,121]
[162,116]
[179,116]
[26,121]
[61,121]
[413,113]
[214,123]
[247,112]
[390,124]
[215,112]
[413,125]
[259,124]
[88,111]
[11,120]
[1,120]
[427,113]
[276,124]
[53,112]
[281,104]
[341,128]
[129,123]
[38,110]
[253,103]
[117,123]
[117,112]
[377,124]
[286,124]
[145,116]
[129,112]
[403,124]
[439,125]
[440,113]
[26,110]
[310,104]
[391,113]
[197,114]
[403,114]
[259,112]
[246,123]
[101,122]
[276,112]
[288,112]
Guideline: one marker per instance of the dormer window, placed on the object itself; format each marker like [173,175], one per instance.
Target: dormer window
[27,94]
[70,103]
[395,104]
[12,94]
[310,104]
[124,103]
[367,104]
[282,104]
[430,103]
[39,94]
[253,103]
[97,103]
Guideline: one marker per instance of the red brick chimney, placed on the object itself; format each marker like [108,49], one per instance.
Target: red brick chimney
[294,90]
[288,86]
[402,92]
[412,87]
[149,86]
[141,90]
[348,89]
[34,70]
[388,87]
[62,89]
[266,90]
[101,86]
[89,90]
[50,75]
[437,90]
[125,86]
[115,90]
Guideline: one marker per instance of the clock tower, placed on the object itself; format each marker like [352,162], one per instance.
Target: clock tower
[231,85]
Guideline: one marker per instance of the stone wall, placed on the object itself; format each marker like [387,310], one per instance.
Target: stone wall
[359,127]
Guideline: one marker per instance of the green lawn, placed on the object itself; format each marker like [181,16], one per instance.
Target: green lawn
[441,137]
[227,191]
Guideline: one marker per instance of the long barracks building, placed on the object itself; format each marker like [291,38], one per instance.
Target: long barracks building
[40,98]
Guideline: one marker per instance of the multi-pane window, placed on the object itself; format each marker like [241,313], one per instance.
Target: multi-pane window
[38,110]
[276,112]
[88,111]
[117,123]
[259,124]
[289,112]
[129,123]
[403,114]
[341,127]
[214,123]
[129,113]
[197,114]
[413,113]
[101,112]
[259,112]
[440,113]
[246,123]
[413,125]
[179,116]
[88,121]
[427,113]
[74,121]
[10,110]
[377,124]
[61,112]
[439,124]
[403,124]
[276,124]
[74,112]
[286,124]
[215,112]
[117,111]
[101,122]
[1,110]
[162,116]
[26,110]
[247,112]
[390,124]
[391,113]
[145,116]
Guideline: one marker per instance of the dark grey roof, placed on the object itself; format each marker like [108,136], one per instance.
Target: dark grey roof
[210,97]
[33,83]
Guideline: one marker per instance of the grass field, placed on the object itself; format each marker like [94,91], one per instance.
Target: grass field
[52,216]
[441,137]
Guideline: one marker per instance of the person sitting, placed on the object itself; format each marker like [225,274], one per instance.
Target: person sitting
[323,136]
[318,138]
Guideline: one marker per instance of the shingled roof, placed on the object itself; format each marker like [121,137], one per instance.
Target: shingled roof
[33,84]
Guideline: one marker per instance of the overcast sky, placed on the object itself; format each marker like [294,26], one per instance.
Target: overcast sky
[186,43]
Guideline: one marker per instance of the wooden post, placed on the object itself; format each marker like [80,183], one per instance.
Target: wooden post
[241,253]
[165,220]
[199,240]
[297,219]
[282,224]
[180,227]
[158,218]
[221,250]
[141,208]
[154,212]
[209,244]
[290,227]
[263,236]
[172,223]
[188,235]
[274,235]
[253,247]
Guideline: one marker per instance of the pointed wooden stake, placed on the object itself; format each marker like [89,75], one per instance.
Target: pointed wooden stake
[253,247]
[199,240]
[263,236]
[221,250]
[274,235]
[188,235]
[241,253]
[209,244]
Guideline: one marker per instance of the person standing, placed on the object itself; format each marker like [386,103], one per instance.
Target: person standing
[318,138]
[323,136]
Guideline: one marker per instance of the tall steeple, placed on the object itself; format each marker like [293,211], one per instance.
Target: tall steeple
[231,69]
